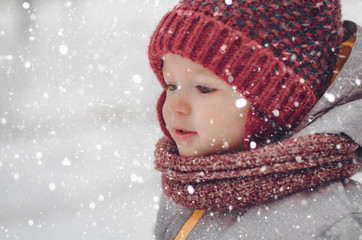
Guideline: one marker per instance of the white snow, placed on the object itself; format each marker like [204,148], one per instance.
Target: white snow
[330,97]
[78,125]
[26,5]
[241,103]
[190,189]
[137,78]
[63,49]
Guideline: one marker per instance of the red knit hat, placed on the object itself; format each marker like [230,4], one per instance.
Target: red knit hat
[278,53]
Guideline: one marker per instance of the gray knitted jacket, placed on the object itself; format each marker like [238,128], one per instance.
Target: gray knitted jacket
[330,211]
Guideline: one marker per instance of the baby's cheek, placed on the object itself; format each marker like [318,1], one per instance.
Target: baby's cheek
[211,141]
[210,122]
[165,113]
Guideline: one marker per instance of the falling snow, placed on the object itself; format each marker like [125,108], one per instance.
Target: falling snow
[358,82]
[66,162]
[52,186]
[30,222]
[27,64]
[276,113]
[100,197]
[77,125]
[137,78]
[241,103]
[190,189]
[229,2]
[63,49]
[330,97]
[26,5]
[92,205]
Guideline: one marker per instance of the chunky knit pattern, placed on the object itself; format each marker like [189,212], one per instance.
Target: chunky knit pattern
[233,180]
[279,53]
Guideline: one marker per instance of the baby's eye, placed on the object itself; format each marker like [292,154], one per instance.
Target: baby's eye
[204,90]
[170,87]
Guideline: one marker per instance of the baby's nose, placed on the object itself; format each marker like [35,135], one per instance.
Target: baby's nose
[180,105]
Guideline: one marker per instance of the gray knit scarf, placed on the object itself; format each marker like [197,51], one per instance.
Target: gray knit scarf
[234,180]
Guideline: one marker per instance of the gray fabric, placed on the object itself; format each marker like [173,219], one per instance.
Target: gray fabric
[304,215]
[330,211]
[348,228]
[324,212]
[170,218]
[345,119]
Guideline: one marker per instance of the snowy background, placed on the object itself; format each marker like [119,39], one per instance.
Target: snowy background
[77,119]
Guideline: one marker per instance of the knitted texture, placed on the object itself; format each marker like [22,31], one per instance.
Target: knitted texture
[278,53]
[233,180]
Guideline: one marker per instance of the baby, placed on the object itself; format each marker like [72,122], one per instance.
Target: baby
[239,77]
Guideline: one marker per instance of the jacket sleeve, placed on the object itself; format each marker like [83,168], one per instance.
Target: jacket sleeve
[349,227]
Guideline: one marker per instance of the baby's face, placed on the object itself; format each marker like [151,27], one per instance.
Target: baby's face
[203,114]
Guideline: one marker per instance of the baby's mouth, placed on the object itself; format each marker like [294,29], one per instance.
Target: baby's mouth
[180,131]
[182,135]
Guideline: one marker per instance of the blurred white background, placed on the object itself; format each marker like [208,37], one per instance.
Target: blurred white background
[77,119]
